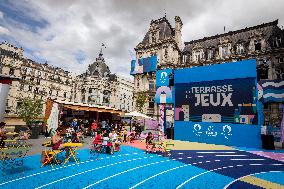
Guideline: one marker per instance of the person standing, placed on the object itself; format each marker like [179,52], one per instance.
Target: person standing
[94,127]
[74,124]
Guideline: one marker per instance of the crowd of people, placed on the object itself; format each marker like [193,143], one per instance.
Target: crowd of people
[77,129]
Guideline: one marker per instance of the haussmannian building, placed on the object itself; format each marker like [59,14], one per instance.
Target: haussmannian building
[96,86]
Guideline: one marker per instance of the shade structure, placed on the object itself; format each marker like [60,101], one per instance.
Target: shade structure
[88,107]
[138,115]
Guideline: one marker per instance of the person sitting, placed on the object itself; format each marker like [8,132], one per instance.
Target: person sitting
[149,142]
[57,140]
[75,137]
[98,139]
[2,135]
[131,138]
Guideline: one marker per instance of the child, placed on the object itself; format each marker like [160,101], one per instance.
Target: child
[149,141]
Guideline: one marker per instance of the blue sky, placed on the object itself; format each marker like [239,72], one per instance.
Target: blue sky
[69,33]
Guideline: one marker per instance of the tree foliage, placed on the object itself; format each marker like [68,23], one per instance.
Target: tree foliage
[140,101]
[30,109]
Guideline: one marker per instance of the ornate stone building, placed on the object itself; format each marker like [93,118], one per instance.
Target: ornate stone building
[99,86]
[96,86]
[165,42]
[264,42]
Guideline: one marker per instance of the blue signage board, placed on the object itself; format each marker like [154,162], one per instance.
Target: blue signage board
[219,133]
[227,101]
[144,65]
[163,77]
[218,104]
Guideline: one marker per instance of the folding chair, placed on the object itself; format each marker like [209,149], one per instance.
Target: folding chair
[168,147]
[49,156]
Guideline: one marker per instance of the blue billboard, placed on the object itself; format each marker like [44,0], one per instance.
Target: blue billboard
[226,101]
[218,104]
[144,65]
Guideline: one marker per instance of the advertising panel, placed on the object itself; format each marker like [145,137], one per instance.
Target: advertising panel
[144,65]
[218,104]
[226,101]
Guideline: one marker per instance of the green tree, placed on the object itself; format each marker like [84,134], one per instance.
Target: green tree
[140,101]
[30,109]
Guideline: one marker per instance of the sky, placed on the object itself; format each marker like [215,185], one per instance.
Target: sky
[69,33]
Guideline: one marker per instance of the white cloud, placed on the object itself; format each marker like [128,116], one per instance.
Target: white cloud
[4,31]
[81,26]
[1,15]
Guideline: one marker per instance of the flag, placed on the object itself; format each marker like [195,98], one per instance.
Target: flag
[273,90]
[282,126]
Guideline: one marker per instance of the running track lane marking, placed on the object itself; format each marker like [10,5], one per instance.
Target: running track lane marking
[117,174]
[163,172]
[51,170]
[248,159]
[90,170]
[230,155]
[215,152]
[225,187]
[220,168]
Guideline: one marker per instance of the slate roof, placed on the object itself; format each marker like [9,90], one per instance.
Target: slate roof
[268,29]
[165,30]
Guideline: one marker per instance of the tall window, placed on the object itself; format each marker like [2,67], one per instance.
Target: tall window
[12,71]
[277,41]
[151,85]
[257,45]
[209,54]
[151,102]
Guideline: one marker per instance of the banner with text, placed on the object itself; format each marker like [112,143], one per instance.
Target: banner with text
[226,101]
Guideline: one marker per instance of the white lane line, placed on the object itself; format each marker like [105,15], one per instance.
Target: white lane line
[180,153]
[189,157]
[117,174]
[229,155]
[51,170]
[200,156]
[247,159]
[215,152]
[256,164]
[90,170]
[248,176]
[220,168]
[163,172]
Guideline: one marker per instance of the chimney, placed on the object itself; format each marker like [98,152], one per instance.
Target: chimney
[178,27]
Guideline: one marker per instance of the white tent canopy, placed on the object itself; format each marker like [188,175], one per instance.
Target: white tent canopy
[137,114]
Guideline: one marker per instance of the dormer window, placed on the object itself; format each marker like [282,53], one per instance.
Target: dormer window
[209,54]
[257,45]
[277,41]
[240,49]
